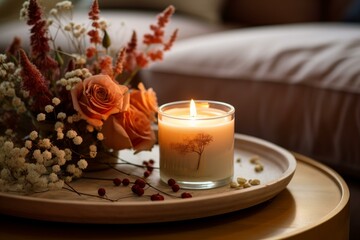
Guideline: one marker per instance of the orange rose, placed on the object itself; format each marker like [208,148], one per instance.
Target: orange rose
[130,129]
[98,97]
[145,101]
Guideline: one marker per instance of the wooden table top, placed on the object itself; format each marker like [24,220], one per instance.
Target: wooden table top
[315,205]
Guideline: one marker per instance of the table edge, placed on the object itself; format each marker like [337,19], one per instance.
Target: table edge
[341,206]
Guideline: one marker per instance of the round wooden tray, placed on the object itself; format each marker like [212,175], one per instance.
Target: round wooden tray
[68,206]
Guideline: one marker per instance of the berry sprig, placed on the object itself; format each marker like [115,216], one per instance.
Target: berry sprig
[149,165]
[175,187]
[138,186]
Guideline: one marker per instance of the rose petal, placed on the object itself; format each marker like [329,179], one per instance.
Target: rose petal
[98,97]
[115,135]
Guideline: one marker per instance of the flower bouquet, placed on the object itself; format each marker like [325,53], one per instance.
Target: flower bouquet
[61,110]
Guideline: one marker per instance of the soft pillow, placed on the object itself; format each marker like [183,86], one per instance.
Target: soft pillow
[209,10]
[323,55]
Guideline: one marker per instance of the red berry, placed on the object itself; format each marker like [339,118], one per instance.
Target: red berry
[150,168]
[101,192]
[134,188]
[125,181]
[145,163]
[146,174]
[157,197]
[171,182]
[117,181]
[137,190]
[151,161]
[140,192]
[186,195]
[140,182]
[175,187]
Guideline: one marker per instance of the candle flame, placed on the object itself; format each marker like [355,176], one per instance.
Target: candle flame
[192,109]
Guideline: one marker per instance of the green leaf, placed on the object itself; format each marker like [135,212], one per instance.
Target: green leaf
[106,41]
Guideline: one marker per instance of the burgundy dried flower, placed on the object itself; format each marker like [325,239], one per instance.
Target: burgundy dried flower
[94,36]
[168,45]
[70,65]
[118,68]
[105,64]
[130,61]
[156,55]
[135,60]
[132,45]
[164,17]
[94,11]
[157,35]
[141,60]
[94,16]
[158,30]
[34,13]
[34,82]
[39,40]
[14,47]
[90,52]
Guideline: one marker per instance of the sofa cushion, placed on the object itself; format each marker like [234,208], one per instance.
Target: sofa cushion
[318,55]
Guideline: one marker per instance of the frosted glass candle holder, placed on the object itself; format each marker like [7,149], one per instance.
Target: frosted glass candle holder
[196,148]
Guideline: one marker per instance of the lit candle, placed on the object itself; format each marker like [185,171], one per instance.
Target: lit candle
[196,141]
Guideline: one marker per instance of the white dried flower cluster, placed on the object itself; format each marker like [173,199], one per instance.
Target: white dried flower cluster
[41,117]
[49,108]
[61,115]
[44,162]
[60,19]
[74,77]
[82,163]
[64,6]
[100,136]
[17,174]
[79,59]
[103,24]
[56,101]
[24,11]
[93,151]
[10,98]
[60,8]
[76,30]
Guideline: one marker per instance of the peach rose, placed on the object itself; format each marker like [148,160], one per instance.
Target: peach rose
[98,97]
[130,129]
[145,101]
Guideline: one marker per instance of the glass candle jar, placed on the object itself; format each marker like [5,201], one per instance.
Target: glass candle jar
[196,143]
